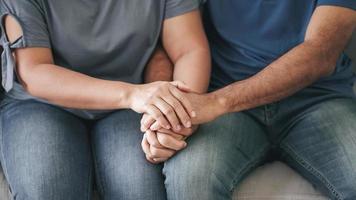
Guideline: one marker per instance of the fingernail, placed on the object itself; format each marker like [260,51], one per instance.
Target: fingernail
[179,127]
[185,145]
[189,124]
[194,114]
[168,127]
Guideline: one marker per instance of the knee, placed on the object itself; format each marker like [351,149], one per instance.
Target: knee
[196,179]
[46,186]
[133,179]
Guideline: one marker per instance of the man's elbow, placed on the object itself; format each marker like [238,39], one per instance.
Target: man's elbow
[324,58]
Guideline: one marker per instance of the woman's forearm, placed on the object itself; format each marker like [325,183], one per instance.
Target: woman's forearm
[193,68]
[187,46]
[71,89]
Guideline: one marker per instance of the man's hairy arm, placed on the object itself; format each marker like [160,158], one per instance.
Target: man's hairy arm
[327,36]
[159,68]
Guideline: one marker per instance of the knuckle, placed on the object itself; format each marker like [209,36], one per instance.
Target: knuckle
[176,105]
[163,139]
[146,123]
[155,144]
[154,151]
[157,115]
[169,111]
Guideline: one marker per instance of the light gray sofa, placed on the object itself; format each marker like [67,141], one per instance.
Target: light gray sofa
[273,181]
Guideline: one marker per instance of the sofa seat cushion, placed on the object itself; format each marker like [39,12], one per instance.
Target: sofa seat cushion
[276,181]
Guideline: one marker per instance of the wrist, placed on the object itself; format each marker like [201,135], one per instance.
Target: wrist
[220,104]
[126,96]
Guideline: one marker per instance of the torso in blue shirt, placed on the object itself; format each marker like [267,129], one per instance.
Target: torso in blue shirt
[248,35]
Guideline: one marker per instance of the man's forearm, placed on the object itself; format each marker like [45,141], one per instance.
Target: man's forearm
[328,33]
[160,68]
[294,71]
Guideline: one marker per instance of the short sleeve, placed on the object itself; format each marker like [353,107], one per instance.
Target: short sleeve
[30,16]
[178,7]
[342,3]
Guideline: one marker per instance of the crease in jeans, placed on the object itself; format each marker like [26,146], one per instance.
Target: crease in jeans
[248,168]
[291,153]
[99,178]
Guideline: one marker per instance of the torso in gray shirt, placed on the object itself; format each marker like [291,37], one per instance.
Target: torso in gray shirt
[106,39]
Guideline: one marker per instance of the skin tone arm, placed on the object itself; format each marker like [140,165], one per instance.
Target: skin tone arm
[194,67]
[193,70]
[327,35]
[70,89]
[159,68]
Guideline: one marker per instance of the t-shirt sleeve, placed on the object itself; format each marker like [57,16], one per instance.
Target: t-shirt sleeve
[343,3]
[179,7]
[30,17]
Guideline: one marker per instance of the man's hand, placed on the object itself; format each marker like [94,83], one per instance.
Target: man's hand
[207,107]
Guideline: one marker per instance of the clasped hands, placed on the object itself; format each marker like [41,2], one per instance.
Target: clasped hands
[170,111]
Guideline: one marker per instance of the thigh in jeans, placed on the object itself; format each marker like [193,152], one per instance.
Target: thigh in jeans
[121,168]
[45,152]
[218,156]
[321,145]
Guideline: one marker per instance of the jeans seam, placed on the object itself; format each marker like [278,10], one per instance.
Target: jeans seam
[90,190]
[99,182]
[247,168]
[312,170]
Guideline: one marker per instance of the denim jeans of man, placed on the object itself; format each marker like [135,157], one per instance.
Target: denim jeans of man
[49,154]
[313,131]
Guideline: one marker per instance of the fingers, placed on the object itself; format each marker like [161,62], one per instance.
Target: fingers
[170,142]
[165,141]
[156,126]
[146,149]
[171,133]
[169,112]
[159,147]
[186,104]
[161,153]
[167,104]
[152,139]
[182,86]
[147,121]
[179,109]
[158,116]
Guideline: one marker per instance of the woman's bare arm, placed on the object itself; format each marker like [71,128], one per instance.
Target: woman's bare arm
[42,78]
[185,43]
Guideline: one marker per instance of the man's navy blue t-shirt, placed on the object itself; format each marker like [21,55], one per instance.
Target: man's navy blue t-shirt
[248,35]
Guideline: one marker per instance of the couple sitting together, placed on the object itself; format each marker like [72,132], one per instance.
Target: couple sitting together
[223,86]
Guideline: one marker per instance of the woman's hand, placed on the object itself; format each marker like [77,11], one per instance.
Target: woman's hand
[162,145]
[165,102]
[207,107]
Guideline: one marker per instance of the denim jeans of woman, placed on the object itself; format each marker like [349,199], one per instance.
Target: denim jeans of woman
[49,154]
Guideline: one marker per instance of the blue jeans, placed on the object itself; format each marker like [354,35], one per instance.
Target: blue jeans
[313,131]
[49,154]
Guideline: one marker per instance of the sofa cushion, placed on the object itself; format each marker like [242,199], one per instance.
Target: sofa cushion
[276,181]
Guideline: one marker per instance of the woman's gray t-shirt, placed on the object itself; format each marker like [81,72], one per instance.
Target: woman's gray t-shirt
[106,39]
